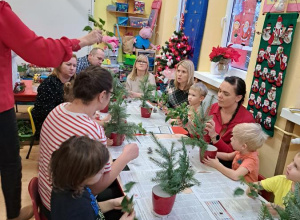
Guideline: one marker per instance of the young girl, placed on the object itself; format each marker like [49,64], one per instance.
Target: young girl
[77,163]
[139,70]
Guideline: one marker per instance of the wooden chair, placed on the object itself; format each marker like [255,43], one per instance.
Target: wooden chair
[35,199]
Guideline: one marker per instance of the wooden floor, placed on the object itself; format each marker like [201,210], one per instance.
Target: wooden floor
[29,169]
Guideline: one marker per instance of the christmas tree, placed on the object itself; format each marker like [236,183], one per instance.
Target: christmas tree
[175,50]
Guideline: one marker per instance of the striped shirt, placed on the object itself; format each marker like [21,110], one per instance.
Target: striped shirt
[59,126]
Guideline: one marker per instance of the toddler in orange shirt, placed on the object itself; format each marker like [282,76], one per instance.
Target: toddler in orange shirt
[246,139]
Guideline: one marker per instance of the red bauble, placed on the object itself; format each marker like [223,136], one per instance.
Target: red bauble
[188,47]
[170,44]
[173,50]
[159,69]
[178,46]
[184,38]
[176,53]
[178,58]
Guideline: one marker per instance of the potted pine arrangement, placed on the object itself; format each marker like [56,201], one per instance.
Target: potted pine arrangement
[118,127]
[175,176]
[197,133]
[147,90]
[181,112]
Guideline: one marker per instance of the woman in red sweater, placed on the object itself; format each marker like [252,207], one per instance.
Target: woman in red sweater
[16,36]
[227,113]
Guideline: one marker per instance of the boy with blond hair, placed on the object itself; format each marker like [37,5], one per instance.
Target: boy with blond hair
[246,139]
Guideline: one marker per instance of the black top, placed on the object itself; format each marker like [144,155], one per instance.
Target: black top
[176,96]
[50,94]
[65,206]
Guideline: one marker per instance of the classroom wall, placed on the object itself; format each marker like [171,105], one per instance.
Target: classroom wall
[291,89]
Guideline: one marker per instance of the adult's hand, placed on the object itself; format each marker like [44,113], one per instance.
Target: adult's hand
[95,36]
[210,127]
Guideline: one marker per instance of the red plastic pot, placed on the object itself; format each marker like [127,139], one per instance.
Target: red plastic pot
[105,110]
[117,139]
[146,112]
[211,152]
[162,201]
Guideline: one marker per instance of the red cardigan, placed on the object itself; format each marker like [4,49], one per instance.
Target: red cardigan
[242,116]
[16,36]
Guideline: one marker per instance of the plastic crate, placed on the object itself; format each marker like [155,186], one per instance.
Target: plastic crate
[139,7]
[122,21]
[129,59]
[122,7]
[138,22]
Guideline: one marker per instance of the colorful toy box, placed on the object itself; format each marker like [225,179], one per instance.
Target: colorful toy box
[139,7]
[122,7]
[138,22]
[130,59]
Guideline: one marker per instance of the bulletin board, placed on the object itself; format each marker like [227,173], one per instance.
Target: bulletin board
[55,18]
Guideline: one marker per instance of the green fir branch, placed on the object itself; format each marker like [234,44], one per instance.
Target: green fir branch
[147,90]
[176,174]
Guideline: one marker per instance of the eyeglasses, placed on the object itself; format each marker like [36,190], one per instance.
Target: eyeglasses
[141,61]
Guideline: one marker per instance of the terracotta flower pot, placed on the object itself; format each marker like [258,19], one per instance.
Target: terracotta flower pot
[117,139]
[162,201]
[105,110]
[146,112]
[211,152]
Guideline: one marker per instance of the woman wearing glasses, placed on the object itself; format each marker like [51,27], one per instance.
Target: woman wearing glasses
[139,70]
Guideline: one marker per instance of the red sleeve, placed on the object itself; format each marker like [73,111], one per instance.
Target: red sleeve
[32,48]
[223,146]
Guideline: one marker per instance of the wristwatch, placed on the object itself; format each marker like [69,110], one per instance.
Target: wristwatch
[216,138]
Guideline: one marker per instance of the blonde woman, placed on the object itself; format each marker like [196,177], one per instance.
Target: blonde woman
[139,70]
[51,91]
[178,89]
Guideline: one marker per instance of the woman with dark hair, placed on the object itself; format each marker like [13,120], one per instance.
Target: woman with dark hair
[227,113]
[51,92]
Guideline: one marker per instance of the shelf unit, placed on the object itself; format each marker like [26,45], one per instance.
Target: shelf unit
[128,28]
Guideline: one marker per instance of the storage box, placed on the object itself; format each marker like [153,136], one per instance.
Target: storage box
[111,8]
[130,59]
[122,21]
[139,7]
[138,22]
[122,7]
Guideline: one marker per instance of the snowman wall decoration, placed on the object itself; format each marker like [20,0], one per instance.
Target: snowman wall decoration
[266,34]
[271,77]
[261,56]
[272,93]
[268,123]
[258,117]
[283,62]
[271,61]
[258,103]
[251,100]
[288,34]
[262,89]
[273,110]
[255,86]
[266,106]
[279,80]
[278,53]
[257,71]
[264,74]
[267,52]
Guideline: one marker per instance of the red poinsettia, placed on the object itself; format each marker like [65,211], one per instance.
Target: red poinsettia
[219,53]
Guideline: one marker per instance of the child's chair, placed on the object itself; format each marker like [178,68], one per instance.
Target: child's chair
[35,198]
[29,109]
[265,194]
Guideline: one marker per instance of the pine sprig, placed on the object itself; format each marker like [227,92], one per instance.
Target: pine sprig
[147,90]
[180,112]
[176,174]
[197,127]
[127,203]
[118,123]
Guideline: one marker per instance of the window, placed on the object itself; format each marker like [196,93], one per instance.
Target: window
[241,17]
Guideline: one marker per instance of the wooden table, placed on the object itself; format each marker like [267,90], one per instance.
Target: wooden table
[27,96]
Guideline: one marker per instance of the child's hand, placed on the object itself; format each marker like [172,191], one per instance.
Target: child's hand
[165,110]
[212,162]
[271,209]
[116,203]
[127,216]
[131,151]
